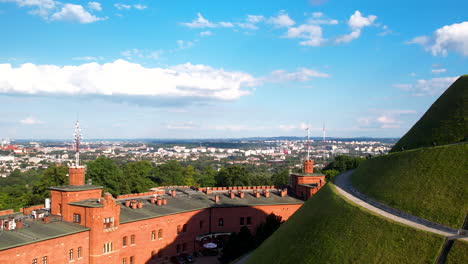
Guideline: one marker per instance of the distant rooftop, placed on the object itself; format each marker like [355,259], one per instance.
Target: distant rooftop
[35,231]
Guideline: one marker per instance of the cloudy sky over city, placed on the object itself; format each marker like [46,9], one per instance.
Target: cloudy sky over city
[219,69]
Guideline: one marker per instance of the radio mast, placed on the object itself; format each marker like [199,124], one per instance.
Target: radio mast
[76,143]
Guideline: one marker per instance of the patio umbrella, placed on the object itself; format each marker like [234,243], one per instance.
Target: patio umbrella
[210,245]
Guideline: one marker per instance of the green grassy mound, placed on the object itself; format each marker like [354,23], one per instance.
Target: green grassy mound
[429,182]
[445,122]
[328,229]
[458,253]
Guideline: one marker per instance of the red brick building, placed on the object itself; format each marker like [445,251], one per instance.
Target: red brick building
[83,226]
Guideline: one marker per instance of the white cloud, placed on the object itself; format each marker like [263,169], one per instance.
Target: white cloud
[437,71]
[349,37]
[301,75]
[181,44]
[95,6]
[413,74]
[139,6]
[282,19]
[121,6]
[421,40]
[311,33]
[453,38]
[181,126]
[88,58]
[42,8]
[206,33]
[384,119]
[226,24]
[431,87]
[255,18]
[72,13]
[30,121]
[318,18]
[124,79]
[200,22]
[357,21]
[142,54]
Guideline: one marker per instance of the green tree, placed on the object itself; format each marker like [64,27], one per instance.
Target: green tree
[343,163]
[208,177]
[169,173]
[330,174]
[137,176]
[267,228]
[234,175]
[189,175]
[280,178]
[105,172]
[52,176]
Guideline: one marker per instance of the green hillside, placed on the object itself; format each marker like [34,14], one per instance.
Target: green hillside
[445,122]
[428,182]
[458,253]
[327,229]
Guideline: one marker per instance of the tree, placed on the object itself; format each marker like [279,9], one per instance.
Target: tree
[208,177]
[105,172]
[137,176]
[237,245]
[234,175]
[52,176]
[280,179]
[189,173]
[343,163]
[169,173]
[267,228]
[330,174]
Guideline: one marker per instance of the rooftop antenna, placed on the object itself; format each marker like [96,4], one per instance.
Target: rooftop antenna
[323,140]
[308,142]
[77,141]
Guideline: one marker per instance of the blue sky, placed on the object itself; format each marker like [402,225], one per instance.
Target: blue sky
[205,69]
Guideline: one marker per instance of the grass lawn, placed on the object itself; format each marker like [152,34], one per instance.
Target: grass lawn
[428,182]
[458,253]
[328,229]
[445,122]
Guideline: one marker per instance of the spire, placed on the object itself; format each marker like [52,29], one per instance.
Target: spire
[76,143]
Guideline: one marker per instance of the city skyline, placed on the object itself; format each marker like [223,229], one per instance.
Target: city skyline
[179,69]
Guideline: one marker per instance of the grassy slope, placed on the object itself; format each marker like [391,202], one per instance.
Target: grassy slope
[458,253]
[429,182]
[327,229]
[445,122]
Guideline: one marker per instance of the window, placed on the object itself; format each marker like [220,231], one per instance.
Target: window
[124,261]
[221,222]
[132,260]
[160,233]
[184,228]
[78,253]
[124,241]
[70,254]
[34,261]
[201,224]
[44,260]
[132,239]
[242,221]
[249,220]
[184,246]
[108,222]
[179,229]
[107,247]
[153,235]
[76,218]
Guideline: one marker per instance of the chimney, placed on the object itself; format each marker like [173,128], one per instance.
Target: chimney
[256,194]
[134,204]
[139,205]
[266,193]
[153,199]
[283,192]
[127,203]
[159,202]
[231,195]
[308,166]
[46,219]
[76,175]
[216,198]
[164,201]
[173,193]
[19,223]
[241,194]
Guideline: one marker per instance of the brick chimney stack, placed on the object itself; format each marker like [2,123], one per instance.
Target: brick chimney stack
[76,175]
[308,166]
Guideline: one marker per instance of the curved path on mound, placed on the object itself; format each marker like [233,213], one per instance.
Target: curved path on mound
[345,189]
